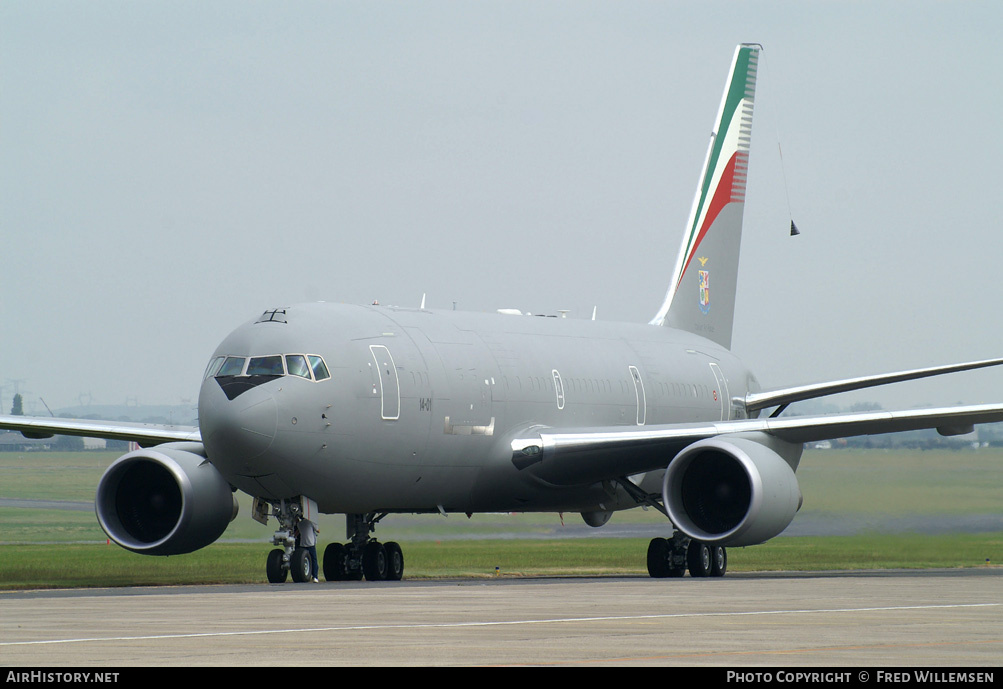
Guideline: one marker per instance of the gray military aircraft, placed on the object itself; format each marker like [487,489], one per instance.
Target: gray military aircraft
[373,410]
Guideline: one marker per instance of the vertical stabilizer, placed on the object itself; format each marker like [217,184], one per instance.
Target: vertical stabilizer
[701,294]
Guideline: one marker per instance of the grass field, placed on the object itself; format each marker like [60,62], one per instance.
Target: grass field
[65,547]
[86,565]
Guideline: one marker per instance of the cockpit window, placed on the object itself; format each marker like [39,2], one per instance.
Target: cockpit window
[213,367]
[320,371]
[265,366]
[297,366]
[232,366]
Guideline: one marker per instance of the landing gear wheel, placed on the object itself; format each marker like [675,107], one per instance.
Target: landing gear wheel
[664,560]
[334,562]
[698,559]
[395,561]
[374,561]
[720,561]
[658,558]
[300,566]
[274,569]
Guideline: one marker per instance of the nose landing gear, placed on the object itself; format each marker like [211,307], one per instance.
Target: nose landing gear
[287,558]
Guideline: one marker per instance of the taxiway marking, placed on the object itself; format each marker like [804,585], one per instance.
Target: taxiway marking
[497,623]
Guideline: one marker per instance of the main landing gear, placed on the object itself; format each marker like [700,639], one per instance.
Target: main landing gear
[363,556]
[672,557]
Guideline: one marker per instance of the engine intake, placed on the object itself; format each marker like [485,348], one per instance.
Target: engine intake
[166,500]
[734,491]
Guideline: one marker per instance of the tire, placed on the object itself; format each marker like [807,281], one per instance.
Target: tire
[334,562]
[698,559]
[274,569]
[300,566]
[374,561]
[395,561]
[720,561]
[658,558]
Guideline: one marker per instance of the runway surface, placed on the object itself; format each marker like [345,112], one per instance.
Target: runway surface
[922,618]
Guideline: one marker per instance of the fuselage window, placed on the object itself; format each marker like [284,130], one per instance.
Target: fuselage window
[297,366]
[232,366]
[265,366]
[320,371]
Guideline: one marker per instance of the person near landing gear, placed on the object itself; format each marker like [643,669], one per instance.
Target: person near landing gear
[308,540]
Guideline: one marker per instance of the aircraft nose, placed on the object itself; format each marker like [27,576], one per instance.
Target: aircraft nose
[238,430]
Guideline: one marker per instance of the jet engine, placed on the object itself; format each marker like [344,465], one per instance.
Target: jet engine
[733,491]
[166,500]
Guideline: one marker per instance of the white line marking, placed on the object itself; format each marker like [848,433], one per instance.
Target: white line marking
[453,625]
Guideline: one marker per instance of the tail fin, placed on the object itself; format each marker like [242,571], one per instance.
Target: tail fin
[701,295]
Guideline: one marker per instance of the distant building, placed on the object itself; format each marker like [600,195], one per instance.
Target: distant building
[13,441]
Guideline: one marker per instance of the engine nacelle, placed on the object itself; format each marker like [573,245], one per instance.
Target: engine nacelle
[166,500]
[732,491]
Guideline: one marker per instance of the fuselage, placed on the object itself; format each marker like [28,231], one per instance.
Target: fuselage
[414,410]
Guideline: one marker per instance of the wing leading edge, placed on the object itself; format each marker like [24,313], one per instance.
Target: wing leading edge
[783,397]
[565,457]
[142,433]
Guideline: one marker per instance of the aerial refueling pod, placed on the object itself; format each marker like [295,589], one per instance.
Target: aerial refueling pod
[596,519]
[732,491]
[166,500]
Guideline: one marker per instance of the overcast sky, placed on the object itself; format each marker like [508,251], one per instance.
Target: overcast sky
[169,170]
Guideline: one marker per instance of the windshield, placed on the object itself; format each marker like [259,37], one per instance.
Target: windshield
[232,366]
[309,366]
[265,366]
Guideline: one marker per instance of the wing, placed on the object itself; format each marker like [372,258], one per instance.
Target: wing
[143,433]
[565,457]
[783,397]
